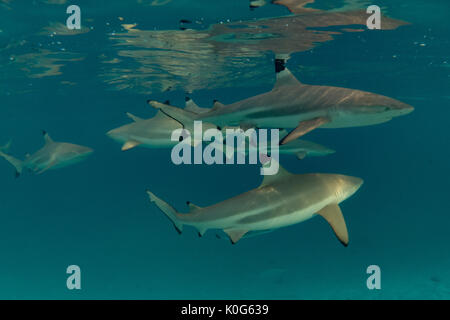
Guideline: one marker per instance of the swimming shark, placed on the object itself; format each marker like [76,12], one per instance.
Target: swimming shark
[156,132]
[52,156]
[292,104]
[300,148]
[303,148]
[281,200]
[150,133]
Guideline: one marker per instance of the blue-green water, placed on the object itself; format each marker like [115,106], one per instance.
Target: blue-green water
[96,214]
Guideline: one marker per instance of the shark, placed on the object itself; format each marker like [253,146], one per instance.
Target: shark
[300,148]
[281,200]
[52,155]
[156,132]
[150,133]
[303,107]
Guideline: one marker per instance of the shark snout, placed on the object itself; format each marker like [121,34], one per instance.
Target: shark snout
[116,135]
[401,108]
[347,186]
[355,182]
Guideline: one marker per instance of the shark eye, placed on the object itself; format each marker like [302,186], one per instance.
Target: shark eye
[180,138]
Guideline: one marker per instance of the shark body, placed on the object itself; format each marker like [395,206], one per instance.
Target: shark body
[149,133]
[281,200]
[52,155]
[156,133]
[292,104]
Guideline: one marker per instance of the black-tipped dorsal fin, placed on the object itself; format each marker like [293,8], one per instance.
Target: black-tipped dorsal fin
[47,138]
[333,214]
[192,207]
[269,179]
[193,107]
[162,116]
[286,78]
[217,105]
[133,117]
[184,117]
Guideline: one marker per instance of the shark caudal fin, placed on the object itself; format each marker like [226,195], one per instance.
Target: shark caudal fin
[170,212]
[18,164]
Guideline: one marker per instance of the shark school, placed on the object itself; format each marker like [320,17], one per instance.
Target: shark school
[221,150]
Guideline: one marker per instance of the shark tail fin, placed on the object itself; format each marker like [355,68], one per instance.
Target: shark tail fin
[18,164]
[169,211]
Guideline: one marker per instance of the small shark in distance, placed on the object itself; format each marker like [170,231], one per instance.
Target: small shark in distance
[300,148]
[52,156]
[281,200]
[292,104]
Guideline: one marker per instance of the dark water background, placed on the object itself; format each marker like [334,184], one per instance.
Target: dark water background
[96,214]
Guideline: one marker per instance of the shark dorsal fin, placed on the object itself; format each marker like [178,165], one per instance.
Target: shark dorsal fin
[269,179]
[286,78]
[192,207]
[184,117]
[193,107]
[217,105]
[47,138]
[133,117]
[6,146]
[161,116]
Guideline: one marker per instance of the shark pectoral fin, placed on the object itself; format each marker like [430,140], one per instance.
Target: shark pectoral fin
[235,234]
[303,128]
[130,145]
[51,164]
[333,214]
[301,155]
